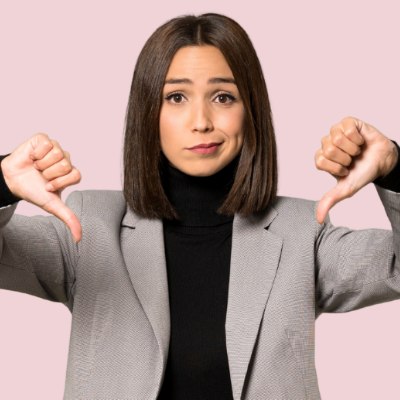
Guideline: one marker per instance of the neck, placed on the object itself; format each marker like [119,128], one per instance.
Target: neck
[197,199]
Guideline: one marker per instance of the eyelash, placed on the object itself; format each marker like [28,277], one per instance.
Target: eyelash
[170,96]
[230,97]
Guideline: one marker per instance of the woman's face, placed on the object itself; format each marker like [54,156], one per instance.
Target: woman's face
[201,118]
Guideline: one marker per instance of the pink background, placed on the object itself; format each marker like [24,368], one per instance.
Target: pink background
[66,69]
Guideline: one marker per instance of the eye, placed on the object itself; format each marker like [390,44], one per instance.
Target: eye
[175,98]
[225,98]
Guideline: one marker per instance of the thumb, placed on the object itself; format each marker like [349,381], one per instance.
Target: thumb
[328,200]
[62,212]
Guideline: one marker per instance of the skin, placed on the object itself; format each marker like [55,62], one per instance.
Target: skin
[355,153]
[197,111]
[37,171]
[201,104]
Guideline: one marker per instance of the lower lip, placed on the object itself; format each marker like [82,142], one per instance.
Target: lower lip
[205,150]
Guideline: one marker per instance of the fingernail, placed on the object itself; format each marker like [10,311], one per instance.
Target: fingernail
[49,187]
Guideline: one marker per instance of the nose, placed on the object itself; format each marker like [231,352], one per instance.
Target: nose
[201,119]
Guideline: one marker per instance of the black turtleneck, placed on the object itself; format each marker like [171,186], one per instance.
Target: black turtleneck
[198,252]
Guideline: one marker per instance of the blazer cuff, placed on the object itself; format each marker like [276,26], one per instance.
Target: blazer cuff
[392,180]
[6,197]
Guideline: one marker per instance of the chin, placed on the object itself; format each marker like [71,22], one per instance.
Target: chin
[200,173]
[202,170]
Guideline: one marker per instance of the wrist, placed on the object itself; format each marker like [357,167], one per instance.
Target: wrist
[392,159]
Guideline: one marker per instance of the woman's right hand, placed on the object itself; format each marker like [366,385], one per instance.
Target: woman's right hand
[37,171]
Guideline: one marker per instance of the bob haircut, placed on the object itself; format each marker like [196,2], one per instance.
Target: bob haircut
[255,183]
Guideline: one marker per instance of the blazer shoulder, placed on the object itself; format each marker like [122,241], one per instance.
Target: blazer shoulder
[294,205]
[106,205]
[295,213]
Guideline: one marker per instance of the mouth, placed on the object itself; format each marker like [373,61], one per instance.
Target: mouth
[205,148]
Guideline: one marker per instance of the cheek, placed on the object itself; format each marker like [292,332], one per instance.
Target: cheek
[232,124]
[167,129]
[164,123]
[171,143]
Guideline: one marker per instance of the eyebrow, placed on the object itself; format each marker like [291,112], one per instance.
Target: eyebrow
[175,81]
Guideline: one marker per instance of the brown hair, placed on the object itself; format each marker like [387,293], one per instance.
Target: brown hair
[255,182]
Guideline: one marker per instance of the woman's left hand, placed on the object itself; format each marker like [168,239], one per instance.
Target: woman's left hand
[355,153]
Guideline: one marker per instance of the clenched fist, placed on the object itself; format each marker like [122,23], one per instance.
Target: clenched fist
[356,154]
[37,171]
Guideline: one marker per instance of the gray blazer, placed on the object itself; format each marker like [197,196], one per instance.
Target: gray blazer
[286,269]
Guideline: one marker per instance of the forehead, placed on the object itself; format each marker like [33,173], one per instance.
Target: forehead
[197,62]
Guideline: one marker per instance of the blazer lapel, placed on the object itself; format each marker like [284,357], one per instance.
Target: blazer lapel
[254,260]
[142,245]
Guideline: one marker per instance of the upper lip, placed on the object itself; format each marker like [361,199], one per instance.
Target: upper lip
[204,145]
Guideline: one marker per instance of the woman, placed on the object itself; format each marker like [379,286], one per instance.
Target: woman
[198,282]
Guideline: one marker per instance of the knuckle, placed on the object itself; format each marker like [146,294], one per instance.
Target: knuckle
[76,175]
[65,165]
[329,151]
[41,142]
[338,170]
[341,171]
[337,139]
[41,136]
[46,144]
[353,151]
[39,164]
[56,184]
[348,119]
[348,161]
[348,132]
[334,128]
[319,161]
[349,191]
[57,153]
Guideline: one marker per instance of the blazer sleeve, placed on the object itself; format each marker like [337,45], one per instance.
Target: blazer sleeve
[356,269]
[38,255]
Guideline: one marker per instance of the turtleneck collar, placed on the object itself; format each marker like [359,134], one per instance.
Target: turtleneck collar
[196,199]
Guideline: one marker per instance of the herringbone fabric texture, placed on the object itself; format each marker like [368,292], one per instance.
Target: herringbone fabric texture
[286,269]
